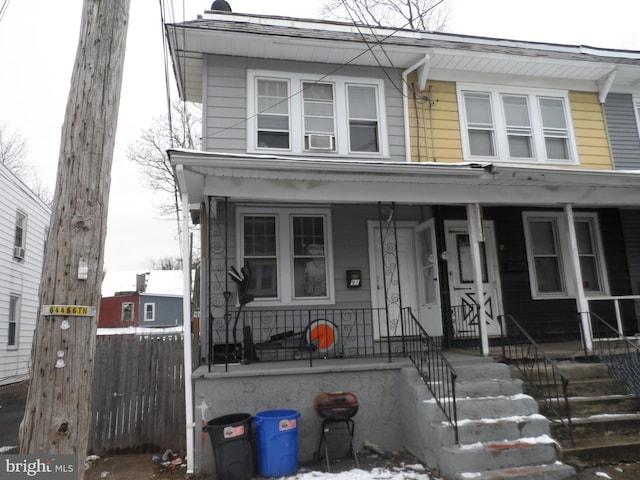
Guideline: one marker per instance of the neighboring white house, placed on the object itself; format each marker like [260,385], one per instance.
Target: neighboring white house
[24,225]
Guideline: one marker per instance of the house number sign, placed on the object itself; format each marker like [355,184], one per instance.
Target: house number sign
[68,310]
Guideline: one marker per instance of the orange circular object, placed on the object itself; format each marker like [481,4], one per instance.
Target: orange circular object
[322,334]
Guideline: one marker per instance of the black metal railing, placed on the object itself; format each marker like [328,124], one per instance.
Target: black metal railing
[538,370]
[465,326]
[436,371]
[312,334]
[307,334]
[619,352]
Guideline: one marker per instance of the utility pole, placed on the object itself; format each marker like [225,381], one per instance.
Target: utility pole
[58,406]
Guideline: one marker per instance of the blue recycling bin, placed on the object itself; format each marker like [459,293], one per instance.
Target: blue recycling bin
[277,441]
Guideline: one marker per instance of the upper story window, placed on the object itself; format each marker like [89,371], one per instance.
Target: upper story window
[149,312]
[20,236]
[298,113]
[288,253]
[508,125]
[127,311]
[548,249]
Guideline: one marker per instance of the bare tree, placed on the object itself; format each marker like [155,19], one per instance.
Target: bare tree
[13,152]
[166,263]
[431,15]
[182,130]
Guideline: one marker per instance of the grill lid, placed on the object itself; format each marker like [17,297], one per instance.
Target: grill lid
[336,405]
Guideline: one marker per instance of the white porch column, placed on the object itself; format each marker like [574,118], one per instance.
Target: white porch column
[581,299]
[186,332]
[475,237]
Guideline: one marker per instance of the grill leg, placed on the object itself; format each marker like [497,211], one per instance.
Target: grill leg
[351,426]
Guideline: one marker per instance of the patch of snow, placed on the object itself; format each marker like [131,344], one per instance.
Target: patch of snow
[516,418]
[7,449]
[139,331]
[602,474]
[470,475]
[356,474]
[542,440]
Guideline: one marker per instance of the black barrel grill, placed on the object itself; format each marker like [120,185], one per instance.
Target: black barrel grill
[336,407]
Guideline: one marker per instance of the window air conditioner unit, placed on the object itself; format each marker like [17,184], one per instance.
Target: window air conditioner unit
[18,252]
[320,142]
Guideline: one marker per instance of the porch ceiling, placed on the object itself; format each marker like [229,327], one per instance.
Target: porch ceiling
[275,179]
[284,38]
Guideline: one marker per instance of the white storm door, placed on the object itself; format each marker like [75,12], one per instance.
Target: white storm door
[400,283]
[429,313]
[461,287]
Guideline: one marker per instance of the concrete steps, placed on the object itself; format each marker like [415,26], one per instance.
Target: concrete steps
[501,433]
[605,420]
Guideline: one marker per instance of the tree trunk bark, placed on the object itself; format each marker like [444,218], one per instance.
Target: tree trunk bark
[58,406]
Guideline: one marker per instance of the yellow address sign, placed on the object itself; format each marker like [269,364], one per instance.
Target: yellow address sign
[69,310]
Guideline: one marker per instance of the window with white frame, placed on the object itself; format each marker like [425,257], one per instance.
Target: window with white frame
[128,311]
[299,113]
[636,103]
[20,236]
[548,251]
[149,312]
[511,125]
[14,321]
[288,254]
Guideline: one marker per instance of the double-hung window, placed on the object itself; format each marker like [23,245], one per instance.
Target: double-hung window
[288,254]
[20,236]
[149,312]
[128,310]
[307,114]
[510,125]
[14,322]
[548,253]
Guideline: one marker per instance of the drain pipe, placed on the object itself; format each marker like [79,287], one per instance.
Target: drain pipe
[422,66]
[186,321]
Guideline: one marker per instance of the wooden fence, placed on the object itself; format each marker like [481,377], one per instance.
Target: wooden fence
[138,394]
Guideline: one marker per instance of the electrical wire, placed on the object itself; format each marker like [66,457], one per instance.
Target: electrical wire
[3,8]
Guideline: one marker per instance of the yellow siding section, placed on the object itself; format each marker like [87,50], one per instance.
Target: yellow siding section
[591,131]
[435,126]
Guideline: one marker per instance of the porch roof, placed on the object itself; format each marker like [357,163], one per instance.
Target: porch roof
[262,178]
[452,56]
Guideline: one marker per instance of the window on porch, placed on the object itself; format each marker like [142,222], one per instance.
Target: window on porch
[288,254]
[548,249]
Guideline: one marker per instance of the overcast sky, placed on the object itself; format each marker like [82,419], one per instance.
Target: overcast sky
[38,42]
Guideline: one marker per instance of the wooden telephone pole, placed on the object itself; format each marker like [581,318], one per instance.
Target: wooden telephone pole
[58,406]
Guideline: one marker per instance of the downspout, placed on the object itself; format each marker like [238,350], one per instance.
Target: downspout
[581,299]
[423,64]
[186,322]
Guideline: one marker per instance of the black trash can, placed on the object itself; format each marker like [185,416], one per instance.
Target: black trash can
[231,441]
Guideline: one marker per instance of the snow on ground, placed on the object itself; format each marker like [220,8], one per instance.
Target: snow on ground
[408,472]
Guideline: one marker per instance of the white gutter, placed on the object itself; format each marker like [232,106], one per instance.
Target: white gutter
[186,321]
[422,82]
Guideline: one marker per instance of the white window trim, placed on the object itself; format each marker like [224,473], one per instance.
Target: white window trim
[285,256]
[501,146]
[636,110]
[153,311]
[296,113]
[16,321]
[564,248]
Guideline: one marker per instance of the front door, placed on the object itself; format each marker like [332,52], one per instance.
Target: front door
[429,312]
[393,283]
[461,287]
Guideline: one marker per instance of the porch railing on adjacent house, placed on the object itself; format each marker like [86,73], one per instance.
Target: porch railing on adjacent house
[538,369]
[436,371]
[619,352]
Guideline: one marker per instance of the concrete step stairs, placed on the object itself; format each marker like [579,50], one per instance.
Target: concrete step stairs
[501,433]
[605,419]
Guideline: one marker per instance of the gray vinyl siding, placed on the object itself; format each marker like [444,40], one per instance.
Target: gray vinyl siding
[168,311]
[623,131]
[226,99]
[19,278]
